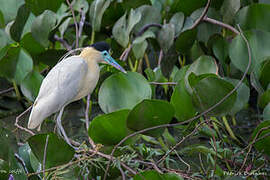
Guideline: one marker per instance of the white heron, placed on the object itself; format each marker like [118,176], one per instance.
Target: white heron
[70,80]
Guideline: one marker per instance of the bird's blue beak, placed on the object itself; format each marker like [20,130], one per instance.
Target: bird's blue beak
[112,62]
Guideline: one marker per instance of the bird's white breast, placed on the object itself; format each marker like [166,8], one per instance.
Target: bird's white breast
[89,82]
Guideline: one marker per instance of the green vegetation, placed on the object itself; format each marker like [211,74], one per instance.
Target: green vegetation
[194,104]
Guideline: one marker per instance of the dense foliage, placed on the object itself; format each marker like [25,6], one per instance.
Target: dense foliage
[194,104]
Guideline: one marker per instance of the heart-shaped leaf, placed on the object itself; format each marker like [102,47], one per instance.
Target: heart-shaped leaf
[228,10]
[253,17]
[149,14]
[209,91]
[123,91]
[31,84]
[178,21]
[259,42]
[42,26]
[17,27]
[97,9]
[203,65]
[58,152]
[109,129]
[148,114]
[16,64]
[165,37]
[182,102]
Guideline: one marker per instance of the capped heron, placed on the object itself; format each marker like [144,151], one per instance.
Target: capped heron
[70,80]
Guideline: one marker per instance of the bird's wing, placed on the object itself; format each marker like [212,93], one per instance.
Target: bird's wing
[58,89]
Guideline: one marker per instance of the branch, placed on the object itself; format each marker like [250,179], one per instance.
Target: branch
[63,42]
[6,90]
[163,83]
[75,22]
[17,120]
[227,26]
[147,26]
[197,22]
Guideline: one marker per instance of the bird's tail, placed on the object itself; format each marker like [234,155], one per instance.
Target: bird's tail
[37,116]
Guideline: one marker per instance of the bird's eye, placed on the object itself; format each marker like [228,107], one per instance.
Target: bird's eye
[105,53]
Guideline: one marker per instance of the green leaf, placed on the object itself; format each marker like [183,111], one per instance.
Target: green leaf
[242,95]
[209,91]
[254,17]
[9,9]
[263,144]
[264,99]
[165,37]
[97,9]
[203,65]
[206,30]
[178,21]
[133,18]
[42,27]
[17,27]
[149,14]
[39,6]
[182,102]
[259,42]
[123,91]
[138,49]
[265,73]
[119,31]
[266,112]
[123,27]
[31,45]
[144,36]
[16,64]
[58,151]
[148,114]
[2,20]
[185,41]
[31,84]
[109,129]
[150,174]
[221,49]
[4,39]
[187,6]
[229,9]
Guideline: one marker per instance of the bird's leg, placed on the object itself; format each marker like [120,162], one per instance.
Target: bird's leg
[60,127]
[87,120]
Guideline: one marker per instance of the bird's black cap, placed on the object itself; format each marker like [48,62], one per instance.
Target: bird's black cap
[101,46]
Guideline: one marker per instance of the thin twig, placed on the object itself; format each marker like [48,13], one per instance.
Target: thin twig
[227,26]
[21,161]
[81,24]
[17,120]
[197,22]
[75,22]
[250,146]
[163,83]
[122,173]
[45,154]
[160,57]
[146,27]
[6,90]
[177,144]
[191,119]
[182,160]
[63,42]
[126,52]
